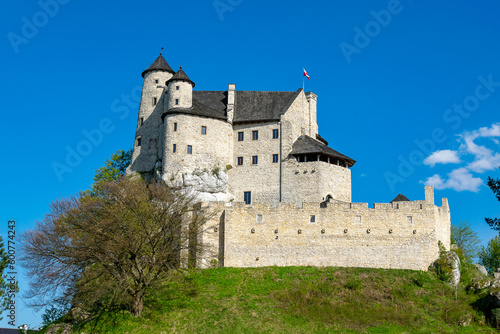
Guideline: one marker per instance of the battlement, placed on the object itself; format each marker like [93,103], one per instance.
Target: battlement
[389,235]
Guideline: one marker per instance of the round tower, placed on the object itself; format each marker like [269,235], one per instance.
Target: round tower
[180,91]
[147,144]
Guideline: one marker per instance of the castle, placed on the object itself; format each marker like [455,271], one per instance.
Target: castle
[283,196]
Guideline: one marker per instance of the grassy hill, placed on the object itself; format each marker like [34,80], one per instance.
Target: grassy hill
[301,300]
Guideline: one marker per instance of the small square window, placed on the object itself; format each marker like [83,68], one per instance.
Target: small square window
[176,102]
[203,130]
[312,218]
[155,100]
[259,218]
[174,148]
[275,133]
[141,121]
[138,141]
[409,219]
[190,149]
[156,81]
[175,126]
[247,197]
[176,87]
[357,220]
[240,161]
[255,160]
[255,135]
[241,136]
[275,158]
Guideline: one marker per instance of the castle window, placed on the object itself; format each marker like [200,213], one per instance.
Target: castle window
[203,130]
[190,149]
[312,218]
[255,160]
[275,158]
[176,87]
[247,197]
[255,135]
[155,100]
[409,219]
[176,102]
[175,126]
[174,148]
[138,141]
[141,122]
[275,133]
[240,161]
[241,135]
[259,218]
[357,220]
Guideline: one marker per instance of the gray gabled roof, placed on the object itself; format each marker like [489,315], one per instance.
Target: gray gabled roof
[255,106]
[198,109]
[307,145]
[160,64]
[400,198]
[180,76]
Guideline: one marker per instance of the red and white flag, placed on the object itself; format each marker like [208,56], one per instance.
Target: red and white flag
[305,74]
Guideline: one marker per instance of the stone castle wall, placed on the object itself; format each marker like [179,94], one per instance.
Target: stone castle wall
[149,132]
[261,179]
[400,235]
[313,181]
[210,151]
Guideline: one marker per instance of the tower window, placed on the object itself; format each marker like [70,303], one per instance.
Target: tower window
[247,197]
[176,102]
[176,87]
[241,135]
[275,133]
[240,161]
[175,126]
[174,148]
[409,219]
[275,158]
[203,130]
[190,149]
[255,160]
[138,141]
[312,218]
[156,81]
[155,100]
[141,121]
[255,135]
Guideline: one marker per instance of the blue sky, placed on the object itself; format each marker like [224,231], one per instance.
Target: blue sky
[409,89]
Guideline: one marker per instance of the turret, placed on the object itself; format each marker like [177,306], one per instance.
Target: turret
[149,117]
[180,91]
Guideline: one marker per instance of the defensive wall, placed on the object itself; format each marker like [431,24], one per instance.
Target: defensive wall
[399,235]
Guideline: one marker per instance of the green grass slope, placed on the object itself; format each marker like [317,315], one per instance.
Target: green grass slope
[300,300]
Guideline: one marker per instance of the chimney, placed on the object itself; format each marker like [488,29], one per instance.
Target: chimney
[230,102]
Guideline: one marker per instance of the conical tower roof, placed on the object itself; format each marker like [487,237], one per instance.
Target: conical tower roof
[400,198]
[180,76]
[160,64]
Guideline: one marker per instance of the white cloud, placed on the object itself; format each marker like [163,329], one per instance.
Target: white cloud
[484,158]
[459,179]
[442,157]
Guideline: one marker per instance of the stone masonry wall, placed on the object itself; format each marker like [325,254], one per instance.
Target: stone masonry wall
[145,156]
[313,181]
[261,179]
[209,151]
[401,235]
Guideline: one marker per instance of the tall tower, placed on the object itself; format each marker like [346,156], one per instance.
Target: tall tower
[148,147]
[180,91]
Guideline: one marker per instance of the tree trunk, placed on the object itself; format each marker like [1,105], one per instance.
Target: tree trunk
[137,306]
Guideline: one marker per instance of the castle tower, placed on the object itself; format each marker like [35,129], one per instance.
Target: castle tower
[180,91]
[148,141]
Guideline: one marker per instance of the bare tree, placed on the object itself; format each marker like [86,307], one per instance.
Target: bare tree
[111,248]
